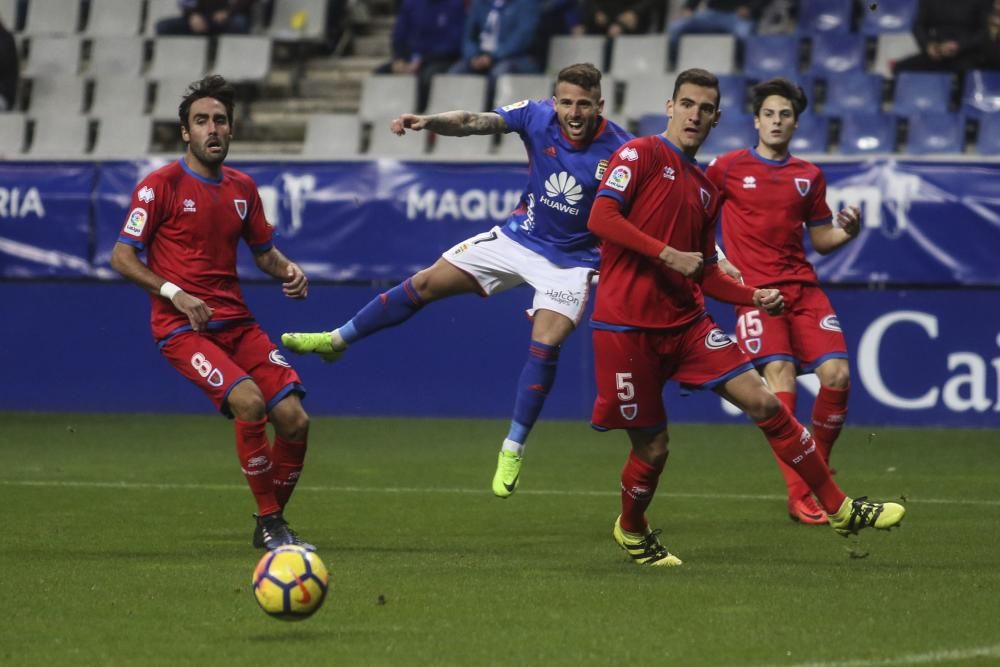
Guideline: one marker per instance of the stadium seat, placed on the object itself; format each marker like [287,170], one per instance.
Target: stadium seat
[932,132]
[516,87]
[156,10]
[716,53]
[13,129]
[651,123]
[243,58]
[457,91]
[381,92]
[571,49]
[918,92]
[8,12]
[168,98]
[982,93]
[113,93]
[474,147]
[865,132]
[735,131]
[175,57]
[122,56]
[52,17]
[60,136]
[384,144]
[647,94]
[511,149]
[890,48]
[812,135]
[836,52]
[51,95]
[988,137]
[52,56]
[123,136]
[332,136]
[733,92]
[853,91]
[767,56]
[635,55]
[298,20]
[892,16]
[114,18]
[818,16]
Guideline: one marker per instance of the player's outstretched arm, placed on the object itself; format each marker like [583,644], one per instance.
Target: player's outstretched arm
[294,282]
[125,260]
[846,226]
[450,123]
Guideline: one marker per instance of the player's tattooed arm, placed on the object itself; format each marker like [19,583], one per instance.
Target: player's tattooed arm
[451,123]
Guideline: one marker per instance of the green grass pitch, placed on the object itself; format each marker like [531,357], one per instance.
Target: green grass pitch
[126,541]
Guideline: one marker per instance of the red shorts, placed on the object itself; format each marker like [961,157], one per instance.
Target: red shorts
[216,361]
[631,368]
[806,334]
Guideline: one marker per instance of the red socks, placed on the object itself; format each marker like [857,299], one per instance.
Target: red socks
[792,443]
[252,450]
[829,413]
[288,458]
[639,480]
[797,488]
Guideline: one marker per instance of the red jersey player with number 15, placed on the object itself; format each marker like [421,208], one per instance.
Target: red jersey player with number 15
[655,212]
[189,218]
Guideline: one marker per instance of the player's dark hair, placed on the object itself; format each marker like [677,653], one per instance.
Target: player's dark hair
[584,75]
[213,86]
[782,88]
[699,77]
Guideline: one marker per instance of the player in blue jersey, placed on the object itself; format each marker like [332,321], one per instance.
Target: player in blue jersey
[544,243]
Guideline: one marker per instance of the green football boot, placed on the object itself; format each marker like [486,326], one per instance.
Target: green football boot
[855,514]
[508,475]
[644,549]
[319,343]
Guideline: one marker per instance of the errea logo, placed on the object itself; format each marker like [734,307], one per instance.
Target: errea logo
[749,183]
[565,186]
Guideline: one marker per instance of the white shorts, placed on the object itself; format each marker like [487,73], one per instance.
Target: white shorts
[499,263]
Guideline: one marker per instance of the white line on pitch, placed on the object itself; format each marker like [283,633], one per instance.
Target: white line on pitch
[167,486]
[929,658]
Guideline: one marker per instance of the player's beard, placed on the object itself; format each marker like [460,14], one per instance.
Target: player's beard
[207,158]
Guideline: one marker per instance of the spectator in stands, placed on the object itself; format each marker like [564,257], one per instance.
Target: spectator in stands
[991,49]
[616,17]
[736,17]
[426,40]
[208,17]
[499,39]
[9,69]
[951,35]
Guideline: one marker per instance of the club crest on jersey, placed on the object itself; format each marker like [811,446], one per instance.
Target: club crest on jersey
[145,194]
[619,178]
[276,358]
[136,222]
[241,208]
[803,185]
[629,154]
[830,323]
[602,166]
[752,345]
[749,183]
[706,198]
[669,174]
[717,339]
[629,411]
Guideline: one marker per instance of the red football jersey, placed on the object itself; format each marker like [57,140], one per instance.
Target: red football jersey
[190,227]
[666,195]
[764,204]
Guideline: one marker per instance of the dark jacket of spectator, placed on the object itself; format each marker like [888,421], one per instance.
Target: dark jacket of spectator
[727,5]
[428,30]
[9,69]
[616,17]
[516,32]
[208,17]
[951,35]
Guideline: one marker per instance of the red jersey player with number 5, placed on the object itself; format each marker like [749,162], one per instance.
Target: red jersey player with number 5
[768,195]
[189,218]
[655,213]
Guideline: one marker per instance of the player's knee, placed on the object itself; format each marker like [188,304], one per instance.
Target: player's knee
[294,427]
[762,405]
[838,378]
[246,402]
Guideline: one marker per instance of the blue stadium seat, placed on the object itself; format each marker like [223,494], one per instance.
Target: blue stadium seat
[767,56]
[853,91]
[935,132]
[733,89]
[864,132]
[982,93]
[988,137]
[891,16]
[917,92]
[811,135]
[835,52]
[817,16]
[652,123]
[735,131]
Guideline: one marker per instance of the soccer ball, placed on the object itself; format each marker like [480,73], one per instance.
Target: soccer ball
[290,583]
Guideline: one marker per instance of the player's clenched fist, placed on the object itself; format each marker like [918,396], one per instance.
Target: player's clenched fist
[688,264]
[850,220]
[770,300]
[297,285]
[407,121]
[197,311]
